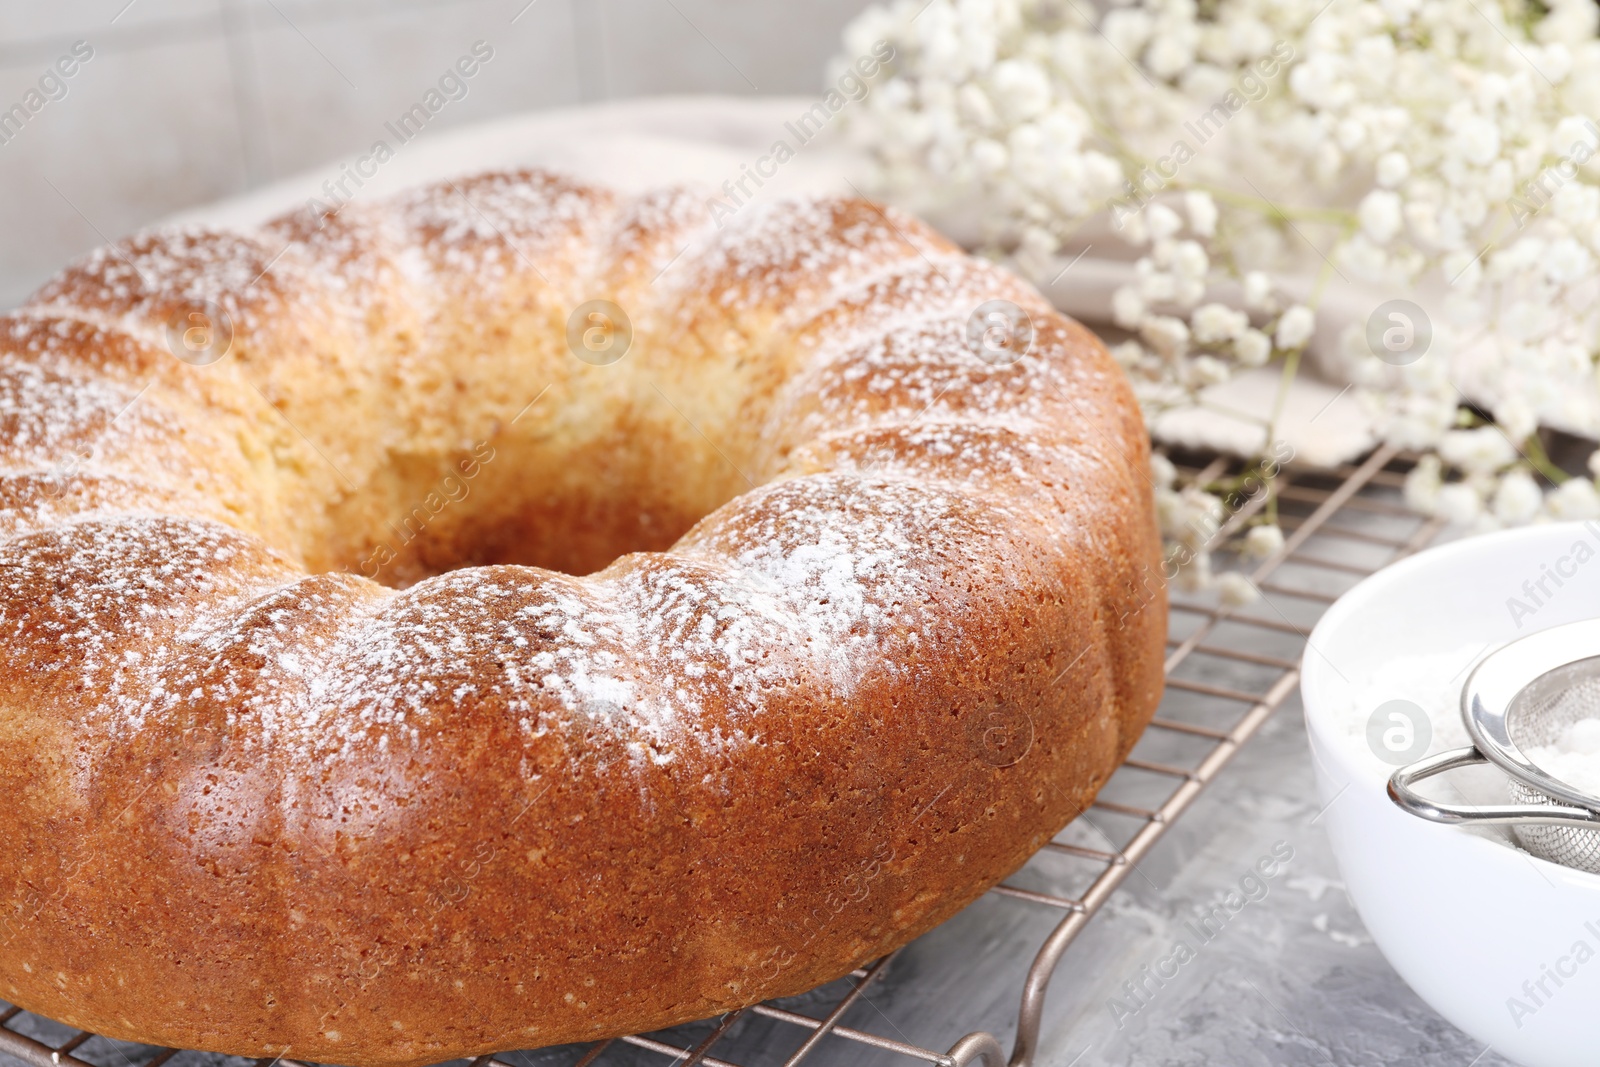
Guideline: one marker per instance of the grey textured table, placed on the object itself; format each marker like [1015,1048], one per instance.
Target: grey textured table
[1287,976]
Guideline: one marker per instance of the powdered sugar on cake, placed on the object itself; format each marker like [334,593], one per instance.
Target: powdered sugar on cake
[813,583]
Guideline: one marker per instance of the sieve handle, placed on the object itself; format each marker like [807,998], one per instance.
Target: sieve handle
[1410,800]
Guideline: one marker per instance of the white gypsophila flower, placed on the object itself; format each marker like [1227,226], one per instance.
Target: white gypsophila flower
[1202,211]
[1168,336]
[1367,259]
[1171,513]
[1162,472]
[1392,169]
[1195,574]
[1406,144]
[1423,483]
[1459,503]
[1262,542]
[1155,286]
[1477,138]
[1574,498]
[1128,29]
[1257,291]
[1021,88]
[1169,54]
[989,155]
[1163,222]
[1189,260]
[1253,348]
[1234,590]
[1216,323]
[1567,261]
[1516,419]
[1127,307]
[1380,215]
[1133,229]
[1203,516]
[1464,268]
[1576,204]
[1295,327]
[1517,499]
[1208,370]
[1484,450]
[1128,354]
[1573,134]
[1484,523]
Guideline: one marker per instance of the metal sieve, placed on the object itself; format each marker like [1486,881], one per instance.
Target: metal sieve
[1523,695]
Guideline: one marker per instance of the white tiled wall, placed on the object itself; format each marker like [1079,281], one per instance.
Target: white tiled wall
[185,101]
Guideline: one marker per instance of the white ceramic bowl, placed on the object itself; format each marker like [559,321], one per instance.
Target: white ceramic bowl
[1474,925]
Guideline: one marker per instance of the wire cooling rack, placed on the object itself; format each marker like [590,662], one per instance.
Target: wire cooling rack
[1340,526]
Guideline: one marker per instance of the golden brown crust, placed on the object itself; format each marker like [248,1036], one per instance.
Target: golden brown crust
[879,618]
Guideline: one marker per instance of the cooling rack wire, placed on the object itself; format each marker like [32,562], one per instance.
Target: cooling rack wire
[1340,525]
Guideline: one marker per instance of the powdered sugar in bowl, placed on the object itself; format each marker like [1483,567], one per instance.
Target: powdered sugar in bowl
[1503,944]
[1528,704]
[1574,756]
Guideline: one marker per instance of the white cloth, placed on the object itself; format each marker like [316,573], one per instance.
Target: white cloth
[632,145]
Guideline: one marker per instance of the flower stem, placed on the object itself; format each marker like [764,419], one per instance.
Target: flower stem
[1267,207]
[1533,451]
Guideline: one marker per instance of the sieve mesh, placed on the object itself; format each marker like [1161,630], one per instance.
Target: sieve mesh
[1538,716]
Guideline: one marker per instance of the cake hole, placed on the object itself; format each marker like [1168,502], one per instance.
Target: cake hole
[556,492]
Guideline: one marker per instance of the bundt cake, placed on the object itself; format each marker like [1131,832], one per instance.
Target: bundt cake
[513,613]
